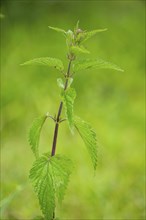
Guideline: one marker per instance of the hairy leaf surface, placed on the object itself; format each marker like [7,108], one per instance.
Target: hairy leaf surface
[89,137]
[34,134]
[46,61]
[41,178]
[61,168]
[50,176]
[94,64]
[68,100]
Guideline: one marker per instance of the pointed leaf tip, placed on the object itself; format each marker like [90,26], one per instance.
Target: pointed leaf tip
[57,29]
[77,25]
[85,35]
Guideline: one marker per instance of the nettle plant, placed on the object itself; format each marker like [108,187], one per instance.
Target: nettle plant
[50,172]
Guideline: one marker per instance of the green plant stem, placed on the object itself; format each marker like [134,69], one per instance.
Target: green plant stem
[58,118]
[59,113]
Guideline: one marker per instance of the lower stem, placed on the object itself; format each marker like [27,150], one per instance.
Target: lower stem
[56,130]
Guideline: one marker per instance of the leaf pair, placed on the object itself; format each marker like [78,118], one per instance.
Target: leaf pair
[74,39]
[50,176]
[82,64]
[61,84]
[82,36]
[84,129]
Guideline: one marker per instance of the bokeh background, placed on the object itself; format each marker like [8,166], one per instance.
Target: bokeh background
[113,102]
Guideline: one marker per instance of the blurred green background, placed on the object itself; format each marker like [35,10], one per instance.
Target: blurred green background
[113,102]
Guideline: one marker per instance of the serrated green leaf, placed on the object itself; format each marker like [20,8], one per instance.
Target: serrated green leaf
[62,168]
[50,176]
[46,61]
[34,134]
[78,50]
[68,97]
[41,178]
[60,83]
[58,30]
[85,35]
[89,137]
[94,64]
